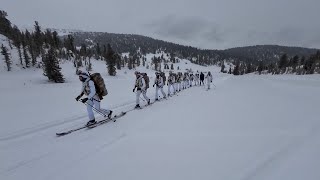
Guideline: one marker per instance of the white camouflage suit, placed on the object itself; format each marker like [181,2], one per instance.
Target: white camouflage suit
[89,90]
[209,79]
[158,82]
[171,82]
[140,84]
[196,80]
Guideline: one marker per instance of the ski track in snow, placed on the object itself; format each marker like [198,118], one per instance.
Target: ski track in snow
[259,170]
[12,169]
[72,164]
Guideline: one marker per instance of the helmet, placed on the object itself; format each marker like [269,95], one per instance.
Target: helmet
[82,74]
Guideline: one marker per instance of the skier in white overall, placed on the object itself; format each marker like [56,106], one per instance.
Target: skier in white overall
[141,86]
[159,85]
[92,100]
[171,81]
[209,79]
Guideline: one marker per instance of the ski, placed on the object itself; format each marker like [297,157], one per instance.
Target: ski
[114,118]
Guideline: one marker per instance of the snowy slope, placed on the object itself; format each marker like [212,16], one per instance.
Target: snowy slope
[14,56]
[249,127]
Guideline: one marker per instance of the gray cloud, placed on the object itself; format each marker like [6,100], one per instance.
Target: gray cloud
[212,24]
[187,29]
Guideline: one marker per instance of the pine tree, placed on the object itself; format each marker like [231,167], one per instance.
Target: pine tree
[222,67]
[283,63]
[32,52]
[295,62]
[5,24]
[138,62]
[89,55]
[236,70]
[25,54]
[125,60]
[310,65]
[130,62]
[17,41]
[144,62]
[51,67]
[7,60]
[69,43]
[118,60]
[56,40]
[111,61]
[83,51]
[89,67]
[104,51]
[38,39]
[260,67]
[249,68]
[98,50]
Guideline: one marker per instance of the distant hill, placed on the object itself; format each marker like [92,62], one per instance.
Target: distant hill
[130,43]
[267,52]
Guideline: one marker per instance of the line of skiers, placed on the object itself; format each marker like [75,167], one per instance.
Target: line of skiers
[175,81]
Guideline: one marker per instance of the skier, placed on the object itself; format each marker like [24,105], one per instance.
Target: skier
[92,100]
[191,79]
[209,79]
[159,82]
[179,82]
[186,80]
[171,81]
[196,79]
[201,78]
[141,86]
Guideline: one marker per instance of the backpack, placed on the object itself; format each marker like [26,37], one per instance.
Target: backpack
[163,75]
[146,79]
[98,81]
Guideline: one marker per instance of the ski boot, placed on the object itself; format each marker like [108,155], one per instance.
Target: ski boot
[91,122]
[109,115]
[137,106]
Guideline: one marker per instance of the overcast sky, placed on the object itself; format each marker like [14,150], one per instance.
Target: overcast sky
[210,24]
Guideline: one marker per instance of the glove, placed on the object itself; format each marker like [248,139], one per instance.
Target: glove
[84,100]
[138,89]
[133,89]
[153,86]
[78,97]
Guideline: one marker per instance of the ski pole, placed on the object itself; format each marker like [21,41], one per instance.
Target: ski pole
[214,85]
[95,109]
[139,96]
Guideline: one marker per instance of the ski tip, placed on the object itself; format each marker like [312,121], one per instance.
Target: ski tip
[60,134]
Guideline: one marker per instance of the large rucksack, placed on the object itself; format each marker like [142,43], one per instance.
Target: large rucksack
[146,79]
[163,75]
[101,89]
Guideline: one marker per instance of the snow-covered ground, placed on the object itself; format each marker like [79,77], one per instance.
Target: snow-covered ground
[248,127]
